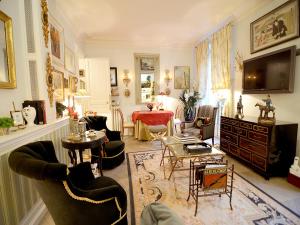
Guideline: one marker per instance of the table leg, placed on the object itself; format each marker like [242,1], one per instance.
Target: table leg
[74,156]
[163,156]
[80,155]
[173,167]
[71,156]
[100,160]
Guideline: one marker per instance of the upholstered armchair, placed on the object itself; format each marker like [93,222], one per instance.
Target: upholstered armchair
[114,153]
[72,196]
[203,125]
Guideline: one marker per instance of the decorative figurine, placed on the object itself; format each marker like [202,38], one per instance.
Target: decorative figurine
[239,109]
[265,119]
[29,114]
[295,168]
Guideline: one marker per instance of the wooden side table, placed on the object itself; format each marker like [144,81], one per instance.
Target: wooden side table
[82,144]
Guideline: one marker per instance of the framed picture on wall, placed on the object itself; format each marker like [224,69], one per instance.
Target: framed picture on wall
[58,85]
[82,73]
[73,80]
[181,77]
[113,77]
[70,60]
[56,41]
[277,26]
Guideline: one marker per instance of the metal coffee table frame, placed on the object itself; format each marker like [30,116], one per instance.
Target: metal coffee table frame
[177,153]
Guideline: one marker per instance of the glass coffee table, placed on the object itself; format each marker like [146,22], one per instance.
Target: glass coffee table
[178,153]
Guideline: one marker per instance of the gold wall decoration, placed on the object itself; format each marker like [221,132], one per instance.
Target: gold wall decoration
[7,56]
[49,79]
[45,21]
[239,62]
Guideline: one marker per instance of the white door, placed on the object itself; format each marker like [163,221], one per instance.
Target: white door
[99,85]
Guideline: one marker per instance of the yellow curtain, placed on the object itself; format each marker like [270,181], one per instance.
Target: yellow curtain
[202,66]
[220,61]
[220,66]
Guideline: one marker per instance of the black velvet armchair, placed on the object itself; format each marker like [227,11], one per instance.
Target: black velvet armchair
[73,196]
[114,153]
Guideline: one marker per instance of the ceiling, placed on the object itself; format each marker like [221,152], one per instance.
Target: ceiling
[157,21]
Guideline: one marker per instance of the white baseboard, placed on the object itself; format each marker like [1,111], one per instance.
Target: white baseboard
[35,215]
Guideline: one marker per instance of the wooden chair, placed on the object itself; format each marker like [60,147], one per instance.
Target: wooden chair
[118,121]
[210,179]
[179,116]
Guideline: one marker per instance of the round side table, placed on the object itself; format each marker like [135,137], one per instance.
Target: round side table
[82,144]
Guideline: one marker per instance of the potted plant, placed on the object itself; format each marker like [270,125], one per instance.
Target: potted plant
[189,100]
[5,124]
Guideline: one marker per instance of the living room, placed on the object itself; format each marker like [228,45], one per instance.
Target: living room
[75,59]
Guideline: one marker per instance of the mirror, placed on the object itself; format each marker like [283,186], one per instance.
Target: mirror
[147,77]
[7,58]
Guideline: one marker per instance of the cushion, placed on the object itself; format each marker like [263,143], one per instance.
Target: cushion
[201,120]
[113,148]
[157,128]
[159,214]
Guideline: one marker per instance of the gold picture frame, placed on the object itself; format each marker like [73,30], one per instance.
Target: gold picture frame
[8,78]
[181,77]
[278,26]
[73,80]
[58,85]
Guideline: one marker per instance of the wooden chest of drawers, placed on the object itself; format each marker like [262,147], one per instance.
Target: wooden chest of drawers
[270,150]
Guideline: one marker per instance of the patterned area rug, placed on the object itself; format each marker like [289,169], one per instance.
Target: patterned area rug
[250,205]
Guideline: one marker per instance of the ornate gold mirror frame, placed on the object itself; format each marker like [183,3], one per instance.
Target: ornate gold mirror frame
[9,52]
[45,21]
[49,79]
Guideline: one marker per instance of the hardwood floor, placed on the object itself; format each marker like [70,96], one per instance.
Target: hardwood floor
[277,187]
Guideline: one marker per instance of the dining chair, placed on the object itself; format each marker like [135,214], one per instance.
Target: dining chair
[179,116]
[119,123]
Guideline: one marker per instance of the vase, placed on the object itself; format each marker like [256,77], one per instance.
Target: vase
[29,114]
[189,114]
[4,131]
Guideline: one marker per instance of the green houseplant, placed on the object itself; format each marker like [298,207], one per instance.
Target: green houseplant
[189,100]
[5,124]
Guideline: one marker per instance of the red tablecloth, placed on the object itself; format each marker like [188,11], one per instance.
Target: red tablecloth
[153,117]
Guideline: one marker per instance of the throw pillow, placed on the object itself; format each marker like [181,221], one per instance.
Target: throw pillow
[199,122]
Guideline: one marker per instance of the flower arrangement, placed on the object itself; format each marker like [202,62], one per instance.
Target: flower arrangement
[189,100]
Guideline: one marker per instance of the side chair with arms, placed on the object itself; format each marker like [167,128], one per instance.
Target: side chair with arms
[72,196]
[114,153]
[203,125]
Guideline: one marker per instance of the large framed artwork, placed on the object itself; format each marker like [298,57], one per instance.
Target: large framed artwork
[56,42]
[181,77]
[70,60]
[113,77]
[277,26]
[58,85]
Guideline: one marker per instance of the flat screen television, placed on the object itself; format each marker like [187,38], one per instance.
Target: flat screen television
[270,73]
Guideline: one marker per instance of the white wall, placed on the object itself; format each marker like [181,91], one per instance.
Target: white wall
[121,55]
[287,105]
[15,9]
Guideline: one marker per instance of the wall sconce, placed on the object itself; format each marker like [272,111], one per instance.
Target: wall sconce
[126,81]
[167,77]
[167,80]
